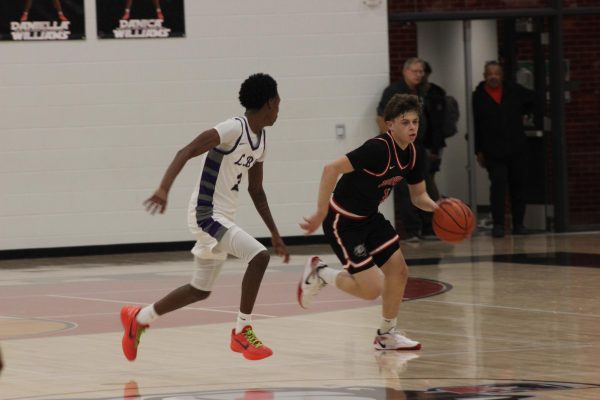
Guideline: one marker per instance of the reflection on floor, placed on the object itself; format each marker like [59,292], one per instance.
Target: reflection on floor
[498,319]
[552,258]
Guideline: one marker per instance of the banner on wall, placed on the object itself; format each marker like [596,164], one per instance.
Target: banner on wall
[140,19]
[35,20]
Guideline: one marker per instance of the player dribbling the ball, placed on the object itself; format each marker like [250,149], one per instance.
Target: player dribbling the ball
[358,233]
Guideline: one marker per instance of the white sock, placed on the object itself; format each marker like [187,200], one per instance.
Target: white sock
[387,325]
[243,320]
[328,274]
[147,315]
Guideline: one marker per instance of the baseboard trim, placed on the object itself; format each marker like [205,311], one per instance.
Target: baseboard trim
[77,251]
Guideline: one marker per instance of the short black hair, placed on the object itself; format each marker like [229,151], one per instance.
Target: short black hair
[492,63]
[401,104]
[257,90]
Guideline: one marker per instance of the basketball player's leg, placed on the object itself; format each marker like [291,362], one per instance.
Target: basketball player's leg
[159,13]
[59,10]
[517,188]
[208,261]
[27,5]
[359,278]
[127,10]
[366,284]
[57,5]
[395,271]
[252,280]
[199,289]
[251,252]
[360,244]
[383,245]
[26,8]
[498,175]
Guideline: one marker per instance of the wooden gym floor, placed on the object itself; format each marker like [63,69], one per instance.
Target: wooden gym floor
[511,318]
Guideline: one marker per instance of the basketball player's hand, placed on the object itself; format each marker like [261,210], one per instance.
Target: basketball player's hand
[157,202]
[280,248]
[312,223]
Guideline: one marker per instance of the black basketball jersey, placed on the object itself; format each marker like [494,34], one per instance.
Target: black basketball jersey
[379,165]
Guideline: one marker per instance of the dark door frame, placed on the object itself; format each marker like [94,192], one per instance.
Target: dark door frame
[555,12]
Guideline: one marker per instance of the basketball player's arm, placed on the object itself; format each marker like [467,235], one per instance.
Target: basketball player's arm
[329,177]
[420,198]
[259,198]
[201,144]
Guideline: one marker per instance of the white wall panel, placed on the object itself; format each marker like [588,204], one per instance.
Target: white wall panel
[88,127]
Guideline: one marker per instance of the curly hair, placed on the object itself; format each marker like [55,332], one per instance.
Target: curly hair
[257,90]
[401,104]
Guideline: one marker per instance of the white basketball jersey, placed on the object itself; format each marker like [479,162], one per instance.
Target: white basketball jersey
[214,201]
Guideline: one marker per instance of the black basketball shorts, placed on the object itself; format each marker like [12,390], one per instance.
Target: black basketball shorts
[360,243]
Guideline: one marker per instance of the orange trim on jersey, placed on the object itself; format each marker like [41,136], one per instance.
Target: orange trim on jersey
[414,155]
[343,212]
[338,239]
[362,264]
[385,245]
[388,163]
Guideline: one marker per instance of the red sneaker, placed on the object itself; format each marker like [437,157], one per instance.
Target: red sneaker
[159,15]
[125,16]
[249,345]
[62,17]
[132,331]
[24,16]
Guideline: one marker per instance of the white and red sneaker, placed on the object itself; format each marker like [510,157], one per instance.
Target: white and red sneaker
[311,283]
[393,363]
[393,340]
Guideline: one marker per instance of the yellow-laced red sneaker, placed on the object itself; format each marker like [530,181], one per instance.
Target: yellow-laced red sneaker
[132,331]
[249,345]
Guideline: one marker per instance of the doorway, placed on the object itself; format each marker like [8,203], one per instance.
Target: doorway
[442,44]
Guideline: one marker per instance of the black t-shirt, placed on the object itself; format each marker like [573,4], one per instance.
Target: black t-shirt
[379,164]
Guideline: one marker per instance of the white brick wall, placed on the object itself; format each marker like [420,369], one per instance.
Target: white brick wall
[88,127]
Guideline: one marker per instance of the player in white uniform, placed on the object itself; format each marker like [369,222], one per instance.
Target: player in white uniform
[231,150]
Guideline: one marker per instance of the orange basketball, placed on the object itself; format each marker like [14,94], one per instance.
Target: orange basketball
[453,220]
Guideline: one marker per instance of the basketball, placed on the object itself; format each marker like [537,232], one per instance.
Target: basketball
[453,220]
